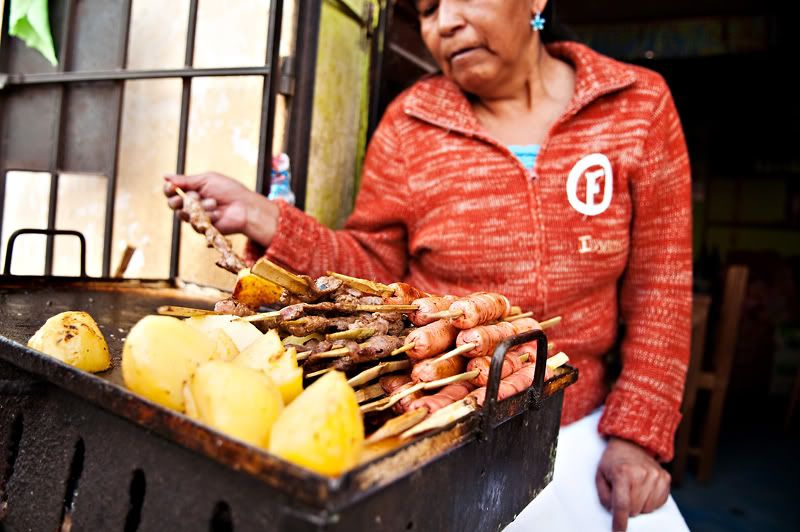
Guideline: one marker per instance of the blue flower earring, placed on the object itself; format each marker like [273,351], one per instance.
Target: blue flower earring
[537,23]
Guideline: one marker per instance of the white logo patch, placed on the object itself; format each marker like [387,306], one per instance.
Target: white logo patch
[593,167]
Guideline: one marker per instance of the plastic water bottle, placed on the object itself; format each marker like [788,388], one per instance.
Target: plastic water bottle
[281,180]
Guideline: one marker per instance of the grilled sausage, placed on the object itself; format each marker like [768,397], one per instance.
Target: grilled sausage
[431,339]
[430,305]
[404,294]
[391,383]
[447,395]
[403,404]
[428,371]
[487,337]
[480,308]
[513,384]
[511,364]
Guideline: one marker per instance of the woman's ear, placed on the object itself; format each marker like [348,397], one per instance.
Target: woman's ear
[537,6]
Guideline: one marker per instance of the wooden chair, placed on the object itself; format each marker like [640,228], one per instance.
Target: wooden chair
[714,380]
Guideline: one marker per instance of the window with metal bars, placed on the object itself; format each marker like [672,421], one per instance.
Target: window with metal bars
[61,127]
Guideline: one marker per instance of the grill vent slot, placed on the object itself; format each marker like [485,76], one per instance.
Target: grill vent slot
[71,492]
[136,497]
[10,459]
[222,519]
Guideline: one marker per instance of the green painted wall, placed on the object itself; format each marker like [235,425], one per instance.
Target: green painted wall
[340,109]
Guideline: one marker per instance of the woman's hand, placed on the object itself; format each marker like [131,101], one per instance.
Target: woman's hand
[630,482]
[232,207]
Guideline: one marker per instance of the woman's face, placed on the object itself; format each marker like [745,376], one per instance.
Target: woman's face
[478,43]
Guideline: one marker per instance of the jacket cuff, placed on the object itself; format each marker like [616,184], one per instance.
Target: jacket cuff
[296,238]
[632,417]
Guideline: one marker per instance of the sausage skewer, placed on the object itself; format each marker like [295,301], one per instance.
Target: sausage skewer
[428,307]
[461,408]
[406,390]
[376,371]
[477,309]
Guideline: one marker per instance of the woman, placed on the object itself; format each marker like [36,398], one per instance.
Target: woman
[546,172]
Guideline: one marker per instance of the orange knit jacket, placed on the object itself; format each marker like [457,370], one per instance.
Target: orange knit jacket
[600,228]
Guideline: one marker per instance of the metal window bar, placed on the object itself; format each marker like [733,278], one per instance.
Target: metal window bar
[63,77]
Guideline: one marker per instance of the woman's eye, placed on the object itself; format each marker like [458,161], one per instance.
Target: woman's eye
[426,9]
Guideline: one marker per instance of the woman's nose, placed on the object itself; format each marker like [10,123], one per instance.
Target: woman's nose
[450,17]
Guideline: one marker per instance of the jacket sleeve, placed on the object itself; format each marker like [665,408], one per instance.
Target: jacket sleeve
[373,243]
[656,295]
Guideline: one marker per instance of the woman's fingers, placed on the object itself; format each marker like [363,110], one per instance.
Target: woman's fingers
[175,203]
[208,204]
[659,492]
[620,502]
[603,489]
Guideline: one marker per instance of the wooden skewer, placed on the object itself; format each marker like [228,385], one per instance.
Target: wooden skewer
[353,334]
[445,416]
[460,350]
[387,308]
[546,324]
[272,272]
[524,358]
[557,360]
[404,348]
[180,192]
[320,372]
[445,314]
[376,371]
[374,405]
[263,316]
[519,316]
[369,392]
[333,353]
[185,312]
[394,399]
[397,425]
[363,285]
[303,355]
[516,310]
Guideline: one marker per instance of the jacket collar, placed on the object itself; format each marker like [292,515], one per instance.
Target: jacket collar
[439,100]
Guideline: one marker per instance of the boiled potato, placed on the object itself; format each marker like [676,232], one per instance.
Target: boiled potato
[236,400]
[160,354]
[224,348]
[322,429]
[242,333]
[268,355]
[75,339]
[254,291]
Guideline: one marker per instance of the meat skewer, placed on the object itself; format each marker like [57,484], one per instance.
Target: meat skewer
[428,371]
[201,223]
[491,341]
[476,309]
[447,395]
[431,339]
[514,384]
[511,364]
[430,305]
[401,394]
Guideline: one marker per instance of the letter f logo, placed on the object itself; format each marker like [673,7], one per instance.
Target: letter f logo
[590,207]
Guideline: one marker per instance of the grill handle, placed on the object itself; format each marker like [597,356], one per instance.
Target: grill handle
[496,369]
[47,232]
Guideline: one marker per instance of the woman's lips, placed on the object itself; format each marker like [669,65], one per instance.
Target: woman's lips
[465,55]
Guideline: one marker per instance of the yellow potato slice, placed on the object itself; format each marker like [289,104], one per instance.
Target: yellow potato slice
[74,338]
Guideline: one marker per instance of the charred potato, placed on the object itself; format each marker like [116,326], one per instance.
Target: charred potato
[322,429]
[160,354]
[75,339]
[236,400]
[254,291]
